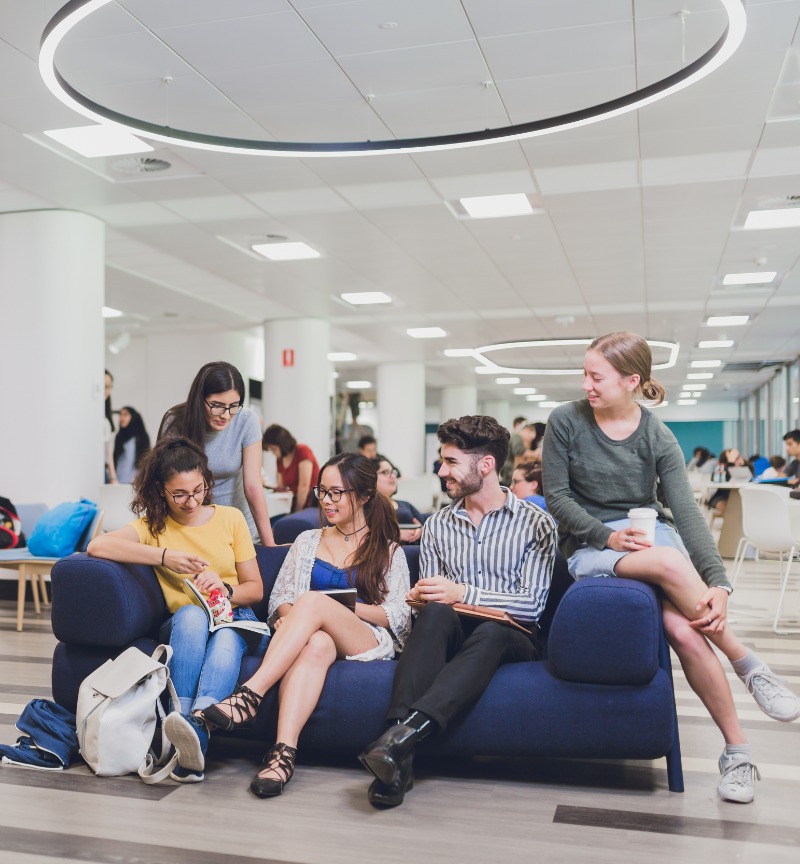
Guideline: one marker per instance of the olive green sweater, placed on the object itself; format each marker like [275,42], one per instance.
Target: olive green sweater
[590,479]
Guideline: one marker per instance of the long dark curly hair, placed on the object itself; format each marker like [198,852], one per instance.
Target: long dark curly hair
[374,556]
[170,456]
[189,418]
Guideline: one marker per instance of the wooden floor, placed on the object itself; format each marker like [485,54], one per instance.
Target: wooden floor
[547,811]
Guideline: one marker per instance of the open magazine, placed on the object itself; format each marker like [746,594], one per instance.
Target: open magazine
[201,601]
[483,612]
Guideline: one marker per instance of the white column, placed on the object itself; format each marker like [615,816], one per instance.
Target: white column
[459,401]
[401,415]
[499,409]
[52,288]
[298,381]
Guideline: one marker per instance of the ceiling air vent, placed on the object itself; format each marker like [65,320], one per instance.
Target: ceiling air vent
[753,365]
[134,165]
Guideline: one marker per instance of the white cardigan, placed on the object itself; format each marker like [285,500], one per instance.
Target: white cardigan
[294,579]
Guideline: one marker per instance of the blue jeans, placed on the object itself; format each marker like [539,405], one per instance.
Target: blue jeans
[205,666]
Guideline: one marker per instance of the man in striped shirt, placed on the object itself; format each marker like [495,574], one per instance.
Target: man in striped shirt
[488,549]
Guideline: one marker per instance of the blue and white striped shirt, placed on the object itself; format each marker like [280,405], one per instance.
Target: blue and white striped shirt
[506,562]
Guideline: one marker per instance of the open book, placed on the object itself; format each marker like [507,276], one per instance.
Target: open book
[345,596]
[200,600]
[483,612]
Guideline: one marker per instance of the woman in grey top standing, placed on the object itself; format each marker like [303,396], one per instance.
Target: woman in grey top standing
[603,456]
[214,417]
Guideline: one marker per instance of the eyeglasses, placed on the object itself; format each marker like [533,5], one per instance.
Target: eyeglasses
[335,495]
[217,409]
[389,472]
[183,497]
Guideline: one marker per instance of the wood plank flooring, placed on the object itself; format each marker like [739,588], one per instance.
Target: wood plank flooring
[478,811]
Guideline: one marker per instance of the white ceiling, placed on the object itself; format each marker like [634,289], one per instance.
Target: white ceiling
[641,216]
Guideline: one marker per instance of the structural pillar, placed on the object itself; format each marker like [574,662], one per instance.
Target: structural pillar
[499,409]
[298,381]
[52,289]
[401,415]
[459,401]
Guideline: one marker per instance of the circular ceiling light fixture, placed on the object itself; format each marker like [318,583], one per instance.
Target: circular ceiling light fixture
[489,367]
[76,10]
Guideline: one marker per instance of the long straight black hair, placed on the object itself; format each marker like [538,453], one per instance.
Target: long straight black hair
[189,418]
[135,429]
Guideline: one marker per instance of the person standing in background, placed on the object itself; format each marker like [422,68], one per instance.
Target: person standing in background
[214,417]
[130,444]
[108,430]
[516,449]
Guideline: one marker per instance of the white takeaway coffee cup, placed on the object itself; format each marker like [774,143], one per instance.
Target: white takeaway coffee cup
[644,519]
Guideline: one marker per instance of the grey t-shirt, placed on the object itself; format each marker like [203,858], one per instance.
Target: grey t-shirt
[224,451]
[590,479]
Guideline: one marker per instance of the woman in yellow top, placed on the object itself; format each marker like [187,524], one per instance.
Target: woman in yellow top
[182,535]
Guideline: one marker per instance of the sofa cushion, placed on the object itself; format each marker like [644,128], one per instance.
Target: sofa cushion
[602,636]
[98,602]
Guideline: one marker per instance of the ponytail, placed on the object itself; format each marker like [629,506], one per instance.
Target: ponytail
[652,391]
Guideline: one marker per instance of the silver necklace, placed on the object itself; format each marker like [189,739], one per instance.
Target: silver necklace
[351,534]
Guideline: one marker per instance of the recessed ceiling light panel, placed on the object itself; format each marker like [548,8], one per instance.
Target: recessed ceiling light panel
[749,278]
[784,217]
[102,140]
[496,206]
[366,298]
[293,251]
[699,376]
[705,364]
[359,385]
[426,332]
[727,320]
[715,343]
[341,356]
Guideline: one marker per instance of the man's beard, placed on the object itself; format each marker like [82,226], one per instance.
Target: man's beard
[470,485]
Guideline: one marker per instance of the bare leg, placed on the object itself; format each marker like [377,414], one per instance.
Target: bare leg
[313,612]
[704,673]
[302,685]
[670,570]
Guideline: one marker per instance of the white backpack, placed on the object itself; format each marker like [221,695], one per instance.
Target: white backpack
[119,708]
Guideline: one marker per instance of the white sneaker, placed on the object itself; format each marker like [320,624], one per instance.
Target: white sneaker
[772,694]
[736,783]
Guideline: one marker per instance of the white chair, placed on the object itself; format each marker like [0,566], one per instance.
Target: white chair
[767,526]
[699,484]
[114,499]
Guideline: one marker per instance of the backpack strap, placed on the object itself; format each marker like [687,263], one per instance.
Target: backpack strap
[147,772]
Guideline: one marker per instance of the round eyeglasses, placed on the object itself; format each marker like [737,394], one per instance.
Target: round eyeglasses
[217,409]
[181,498]
[389,472]
[335,495]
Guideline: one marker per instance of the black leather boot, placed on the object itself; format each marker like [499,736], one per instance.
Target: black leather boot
[383,757]
[381,795]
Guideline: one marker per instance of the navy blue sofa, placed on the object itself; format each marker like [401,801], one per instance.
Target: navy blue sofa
[604,689]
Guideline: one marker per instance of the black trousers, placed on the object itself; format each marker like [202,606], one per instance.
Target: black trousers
[448,662]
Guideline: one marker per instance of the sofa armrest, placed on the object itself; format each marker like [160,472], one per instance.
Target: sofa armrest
[606,631]
[98,602]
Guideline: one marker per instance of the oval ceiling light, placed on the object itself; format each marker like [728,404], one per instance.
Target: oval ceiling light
[489,367]
[74,12]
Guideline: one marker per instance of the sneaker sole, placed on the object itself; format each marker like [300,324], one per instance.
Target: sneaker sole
[181,733]
[196,777]
[740,800]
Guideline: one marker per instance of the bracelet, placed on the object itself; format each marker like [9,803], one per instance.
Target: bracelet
[163,556]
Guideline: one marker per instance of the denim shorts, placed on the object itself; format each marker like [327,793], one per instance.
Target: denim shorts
[588,561]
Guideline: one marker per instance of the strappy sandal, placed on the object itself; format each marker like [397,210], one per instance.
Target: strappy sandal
[243,704]
[280,760]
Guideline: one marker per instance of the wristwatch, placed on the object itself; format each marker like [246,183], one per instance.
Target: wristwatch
[727,589]
[229,589]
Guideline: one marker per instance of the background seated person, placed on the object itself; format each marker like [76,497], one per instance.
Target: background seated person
[405,511]
[298,470]
[368,447]
[526,483]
